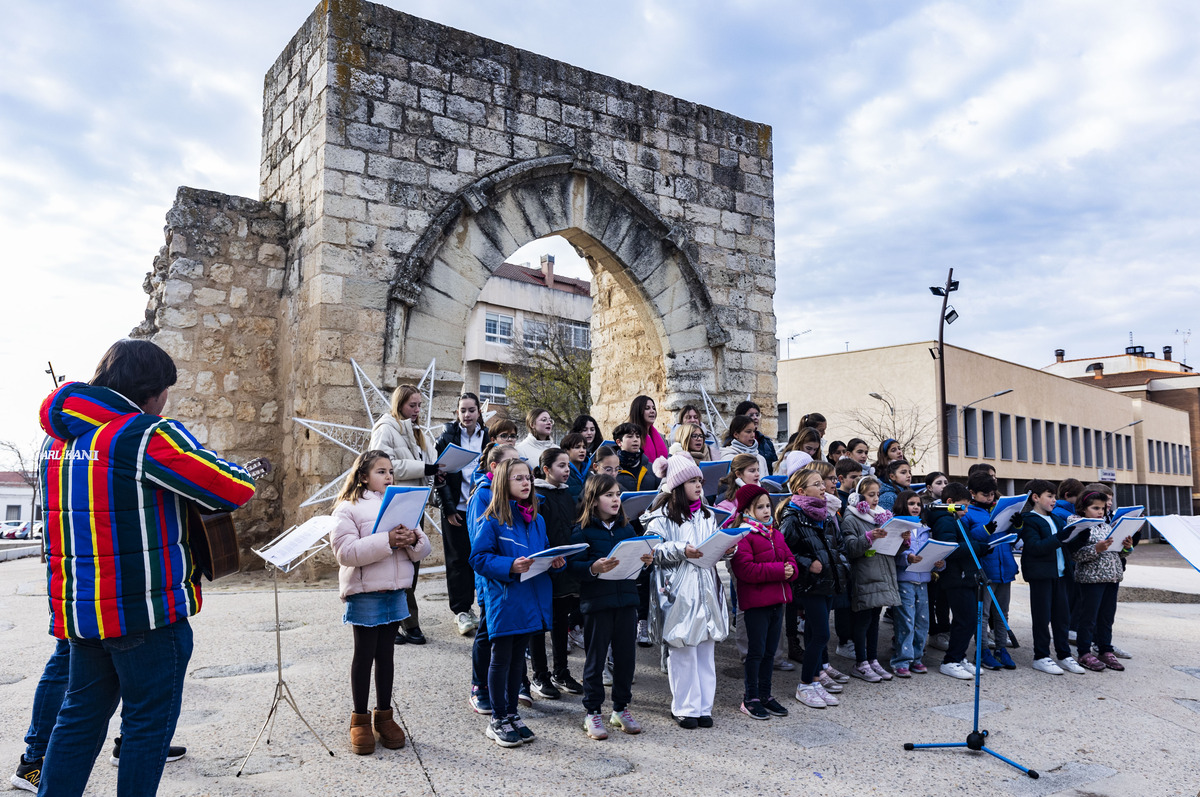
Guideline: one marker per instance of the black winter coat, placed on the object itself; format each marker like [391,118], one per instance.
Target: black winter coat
[597,594]
[812,540]
[1041,537]
[449,493]
[960,567]
[557,508]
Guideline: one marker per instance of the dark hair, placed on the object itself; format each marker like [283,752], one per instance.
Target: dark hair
[547,459]
[1087,499]
[894,466]
[686,408]
[469,395]
[603,452]
[933,474]
[636,410]
[580,423]
[902,502]
[597,486]
[829,452]
[137,369]
[845,467]
[739,423]
[677,504]
[982,483]
[571,440]
[955,492]
[737,465]
[1038,486]
[498,426]
[855,442]
[1068,489]
[807,434]
[980,467]
[881,461]
[627,428]
[811,420]
[745,407]
[1098,487]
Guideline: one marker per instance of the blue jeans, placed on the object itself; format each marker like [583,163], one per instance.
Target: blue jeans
[145,670]
[47,700]
[910,624]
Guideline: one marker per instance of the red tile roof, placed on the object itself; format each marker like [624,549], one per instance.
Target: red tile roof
[534,276]
[12,477]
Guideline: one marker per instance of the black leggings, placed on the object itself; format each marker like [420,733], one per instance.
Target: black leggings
[373,644]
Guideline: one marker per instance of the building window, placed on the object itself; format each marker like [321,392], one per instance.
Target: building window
[951,411]
[581,334]
[1174,458]
[1128,452]
[498,328]
[12,512]
[989,434]
[493,388]
[781,412]
[1022,441]
[1064,445]
[1050,446]
[1076,448]
[1150,461]
[1120,451]
[1006,448]
[535,334]
[970,432]
[1035,436]
[1087,448]
[1187,459]
[1098,443]
[1163,466]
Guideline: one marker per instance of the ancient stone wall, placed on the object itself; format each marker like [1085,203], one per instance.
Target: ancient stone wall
[214,307]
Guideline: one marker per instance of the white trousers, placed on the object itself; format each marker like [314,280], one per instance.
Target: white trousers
[692,673]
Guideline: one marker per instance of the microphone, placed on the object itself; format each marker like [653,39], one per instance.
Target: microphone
[948,507]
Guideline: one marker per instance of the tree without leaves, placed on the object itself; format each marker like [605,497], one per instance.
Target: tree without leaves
[913,429]
[551,372]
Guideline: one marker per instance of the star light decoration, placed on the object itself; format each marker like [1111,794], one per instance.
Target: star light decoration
[356,438]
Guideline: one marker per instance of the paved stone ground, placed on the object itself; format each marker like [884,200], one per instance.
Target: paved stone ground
[1110,734]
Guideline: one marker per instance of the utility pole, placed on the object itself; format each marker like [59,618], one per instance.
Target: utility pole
[944,292]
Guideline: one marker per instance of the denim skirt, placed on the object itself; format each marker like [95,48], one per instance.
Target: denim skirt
[376,608]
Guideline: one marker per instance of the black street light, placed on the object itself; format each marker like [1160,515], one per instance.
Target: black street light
[944,291]
[885,401]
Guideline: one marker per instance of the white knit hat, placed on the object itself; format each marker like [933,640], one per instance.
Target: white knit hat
[679,469]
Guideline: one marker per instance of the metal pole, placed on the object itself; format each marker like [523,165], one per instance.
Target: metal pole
[942,377]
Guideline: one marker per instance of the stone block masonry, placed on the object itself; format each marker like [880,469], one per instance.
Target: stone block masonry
[405,161]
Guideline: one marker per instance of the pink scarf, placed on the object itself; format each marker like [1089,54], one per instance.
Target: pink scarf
[813,507]
[654,446]
[526,512]
[694,508]
[759,527]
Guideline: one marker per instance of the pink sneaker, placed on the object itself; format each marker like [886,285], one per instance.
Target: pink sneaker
[880,671]
[837,675]
[902,672]
[918,667]
[828,684]
[864,671]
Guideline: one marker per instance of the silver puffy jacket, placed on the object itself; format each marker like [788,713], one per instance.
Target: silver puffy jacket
[688,601]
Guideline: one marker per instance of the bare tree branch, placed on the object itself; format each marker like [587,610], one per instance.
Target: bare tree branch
[552,368]
[911,426]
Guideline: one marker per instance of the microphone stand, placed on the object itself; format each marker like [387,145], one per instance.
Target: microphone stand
[976,739]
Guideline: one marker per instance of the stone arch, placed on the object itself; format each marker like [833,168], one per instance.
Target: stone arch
[436,283]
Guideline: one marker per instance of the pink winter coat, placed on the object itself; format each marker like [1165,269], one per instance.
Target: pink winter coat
[758,566]
[368,563]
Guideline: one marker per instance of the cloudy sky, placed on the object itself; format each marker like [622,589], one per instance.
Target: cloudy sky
[1048,151]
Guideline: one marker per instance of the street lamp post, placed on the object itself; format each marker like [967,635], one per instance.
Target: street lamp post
[890,407]
[943,291]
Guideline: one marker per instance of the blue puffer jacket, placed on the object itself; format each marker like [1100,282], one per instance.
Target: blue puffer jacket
[887,494]
[999,563]
[1064,509]
[481,496]
[513,606]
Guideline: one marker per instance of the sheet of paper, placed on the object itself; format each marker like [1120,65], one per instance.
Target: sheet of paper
[636,503]
[777,497]
[401,506]
[629,554]
[1183,533]
[1127,526]
[721,515]
[1003,511]
[715,546]
[895,528]
[299,540]
[455,458]
[932,552]
[543,559]
[1001,539]
[1130,511]
[713,473]
[1076,528]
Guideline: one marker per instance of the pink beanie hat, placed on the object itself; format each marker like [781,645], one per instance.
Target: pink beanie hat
[679,469]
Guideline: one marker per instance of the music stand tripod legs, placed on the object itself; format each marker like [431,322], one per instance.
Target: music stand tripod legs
[976,739]
[282,692]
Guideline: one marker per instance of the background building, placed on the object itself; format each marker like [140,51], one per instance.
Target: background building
[516,308]
[1044,426]
[16,496]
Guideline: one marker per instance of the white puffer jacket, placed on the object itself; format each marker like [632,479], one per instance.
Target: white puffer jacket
[397,439]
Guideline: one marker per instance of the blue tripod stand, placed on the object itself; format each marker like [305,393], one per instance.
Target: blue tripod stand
[976,739]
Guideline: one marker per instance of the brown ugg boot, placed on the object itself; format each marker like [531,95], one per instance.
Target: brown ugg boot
[362,740]
[390,734]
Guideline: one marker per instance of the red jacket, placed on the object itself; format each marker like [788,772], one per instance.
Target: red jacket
[758,566]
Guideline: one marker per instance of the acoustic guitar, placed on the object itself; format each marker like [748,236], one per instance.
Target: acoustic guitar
[213,536]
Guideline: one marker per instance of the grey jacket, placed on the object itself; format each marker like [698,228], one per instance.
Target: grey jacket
[874,577]
[688,602]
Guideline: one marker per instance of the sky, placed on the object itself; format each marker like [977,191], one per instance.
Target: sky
[1047,151]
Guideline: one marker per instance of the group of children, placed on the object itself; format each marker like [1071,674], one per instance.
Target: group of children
[809,552]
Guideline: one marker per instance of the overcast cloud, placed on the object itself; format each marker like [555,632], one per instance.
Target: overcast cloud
[1047,151]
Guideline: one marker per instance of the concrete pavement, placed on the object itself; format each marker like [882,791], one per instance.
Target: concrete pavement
[1110,734]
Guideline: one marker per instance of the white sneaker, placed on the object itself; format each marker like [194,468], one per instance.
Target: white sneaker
[643,634]
[466,622]
[828,684]
[1047,665]
[785,666]
[845,650]
[829,699]
[969,666]
[809,696]
[1121,654]
[955,670]
[1070,665]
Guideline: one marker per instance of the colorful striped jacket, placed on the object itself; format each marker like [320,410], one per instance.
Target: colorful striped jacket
[115,484]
